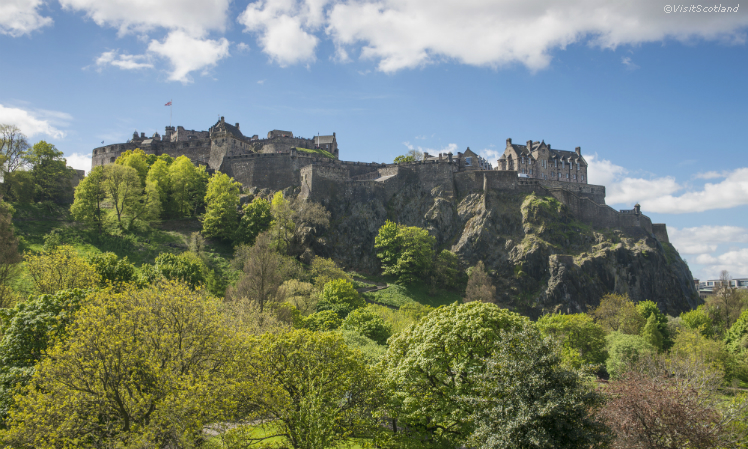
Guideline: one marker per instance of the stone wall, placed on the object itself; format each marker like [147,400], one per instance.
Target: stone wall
[660,232]
[593,192]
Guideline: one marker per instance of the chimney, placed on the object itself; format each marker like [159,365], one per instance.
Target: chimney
[578,150]
[508,142]
[222,120]
[142,135]
[529,144]
[237,126]
[549,146]
[449,155]
[440,156]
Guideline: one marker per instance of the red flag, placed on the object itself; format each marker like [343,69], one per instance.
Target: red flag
[168,104]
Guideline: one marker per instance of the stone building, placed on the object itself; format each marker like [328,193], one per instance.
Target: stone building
[468,160]
[538,160]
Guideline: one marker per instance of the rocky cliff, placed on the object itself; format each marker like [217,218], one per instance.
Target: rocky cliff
[541,258]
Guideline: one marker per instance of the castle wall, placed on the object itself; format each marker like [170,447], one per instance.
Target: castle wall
[591,191]
[660,232]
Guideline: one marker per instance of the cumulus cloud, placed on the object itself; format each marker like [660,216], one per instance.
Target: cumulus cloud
[139,16]
[622,189]
[188,54]
[79,161]
[731,192]
[285,28]
[626,60]
[19,17]
[125,62]
[400,34]
[705,239]
[734,261]
[491,155]
[710,175]
[34,123]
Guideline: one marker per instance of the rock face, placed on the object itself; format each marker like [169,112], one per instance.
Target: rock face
[541,258]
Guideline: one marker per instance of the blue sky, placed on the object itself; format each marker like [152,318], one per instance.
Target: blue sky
[656,100]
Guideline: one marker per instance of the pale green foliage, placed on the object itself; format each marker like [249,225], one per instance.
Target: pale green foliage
[283,225]
[406,252]
[651,334]
[691,345]
[428,368]
[339,296]
[186,267]
[371,351]
[326,320]
[136,159]
[625,350]
[188,187]
[617,313]
[158,176]
[736,337]
[302,295]
[111,269]
[581,339]
[142,368]
[89,198]
[525,399]
[699,320]
[368,323]
[222,201]
[125,192]
[314,390]
[60,269]
[256,219]
[648,308]
[324,270]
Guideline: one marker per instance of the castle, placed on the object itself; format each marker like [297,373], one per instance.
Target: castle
[283,160]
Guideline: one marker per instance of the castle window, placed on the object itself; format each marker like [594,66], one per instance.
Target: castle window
[582,177]
[530,171]
[468,161]
[567,176]
[577,166]
[553,174]
[555,163]
[562,165]
[559,175]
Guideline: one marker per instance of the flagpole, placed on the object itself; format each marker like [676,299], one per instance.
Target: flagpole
[171,105]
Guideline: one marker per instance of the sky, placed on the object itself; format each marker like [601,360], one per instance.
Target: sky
[653,92]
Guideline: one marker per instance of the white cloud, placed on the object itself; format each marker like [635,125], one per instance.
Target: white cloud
[79,161]
[731,192]
[705,239]
[285,28]
[140,16]
[242,47]
[491,156]
[125,62]
[734,261]
[33,123]
[626,60]
[711,175]
[19,17]
[188,54]
[621,189]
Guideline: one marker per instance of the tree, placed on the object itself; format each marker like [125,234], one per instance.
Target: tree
[141,368]
[158,176]
[185,267]
[402,159]
[406,252]
[136,159]
[28,330]
[617,313]
[431,365]
[13,148]
[648,308]
[326,320]
[283,225]
[526,399]
[89,198]
[60,269]
[479,286]
[651,334]
[340,296]
[324,270]
[691,344]
[581,339]
[264,271]
[670,403]
[314,393]
[111,269]
[222,199]
[256,219]
[698,319]
[625,350]
[412,155]
[188,187]
[49,171]
[736,338]
[123,188]
[369,324]
[446,272]
[726,303]
[9,256]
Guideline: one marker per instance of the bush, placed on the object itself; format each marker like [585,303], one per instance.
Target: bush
[406,252]
[185,267]
[60,269]
[326,320]
[625,350]
[340,296]
[111,269]
[581,339]
[369,324]
[698,320]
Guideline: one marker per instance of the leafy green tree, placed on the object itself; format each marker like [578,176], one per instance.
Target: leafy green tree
[526,399]
[125,192]
[581,339]
[158,176]
[314,393]
[369,324]
[431,366]
[340,296]
[90,195]
[27,330]
[648,308]
[446,272]
[692,346]
[222,200]
[188,187]
[49,171]
[651,333]
[256,219]
[9,256]
[402,159]
[140,368]
[185,267]
[136,159]
[60,269]
[13,148]
[326,320]
[283,225]
[736,337]
[19,186]
[698,319]
[617,313]
[625,350]
[112,269]
[404,251]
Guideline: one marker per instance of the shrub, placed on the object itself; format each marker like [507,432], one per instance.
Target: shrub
[624,350]
[340,296]
[369,324]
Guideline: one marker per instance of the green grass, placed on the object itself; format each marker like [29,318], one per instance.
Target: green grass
[400,295]
[316,151]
